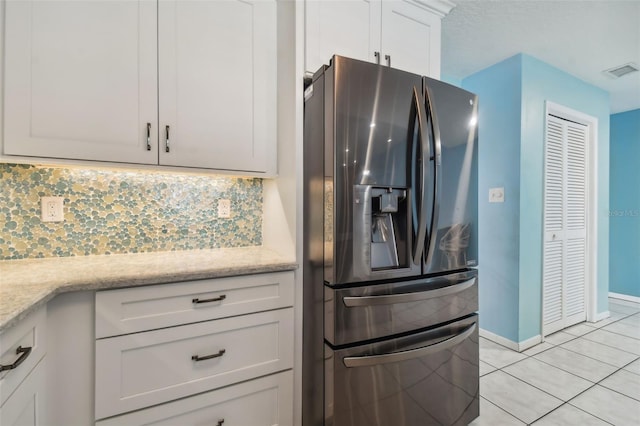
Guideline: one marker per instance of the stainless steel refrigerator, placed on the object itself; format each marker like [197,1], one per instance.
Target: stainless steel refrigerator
[390,324]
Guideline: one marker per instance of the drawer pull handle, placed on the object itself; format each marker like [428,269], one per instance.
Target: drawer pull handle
[204,358]
[220,422]
[148,136]
[215,299]
[23,352]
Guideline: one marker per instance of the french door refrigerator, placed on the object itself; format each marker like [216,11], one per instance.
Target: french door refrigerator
[390,329]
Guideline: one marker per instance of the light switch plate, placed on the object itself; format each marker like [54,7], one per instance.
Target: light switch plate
[496,195]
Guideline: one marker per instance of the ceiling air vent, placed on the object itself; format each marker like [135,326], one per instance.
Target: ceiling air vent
[619,71]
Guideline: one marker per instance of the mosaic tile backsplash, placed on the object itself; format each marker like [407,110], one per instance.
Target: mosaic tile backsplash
[109,212]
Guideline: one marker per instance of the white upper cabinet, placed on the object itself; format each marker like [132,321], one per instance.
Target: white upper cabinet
[169,82]
[402,33]
[346,28]
[218,84]
[80,79]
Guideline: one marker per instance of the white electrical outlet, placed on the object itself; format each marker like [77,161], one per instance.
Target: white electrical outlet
[224,208]
[496,195]
[52,209]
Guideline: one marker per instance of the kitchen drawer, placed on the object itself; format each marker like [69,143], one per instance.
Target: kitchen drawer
[28,333]
[131,310]
[265,401]
[27,405]
[143,369]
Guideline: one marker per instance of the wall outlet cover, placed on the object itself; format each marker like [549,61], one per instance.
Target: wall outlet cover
[224,208]
[496,195]
[52,209]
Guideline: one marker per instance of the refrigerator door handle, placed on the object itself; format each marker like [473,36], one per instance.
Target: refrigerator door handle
[418,244]
[359,301]
[437,147]
[371,360]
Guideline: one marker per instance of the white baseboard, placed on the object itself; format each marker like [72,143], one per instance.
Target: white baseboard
[516,346]
[601,315]
[624,297]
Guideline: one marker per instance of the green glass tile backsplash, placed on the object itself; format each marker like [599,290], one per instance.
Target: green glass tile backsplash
[109,212]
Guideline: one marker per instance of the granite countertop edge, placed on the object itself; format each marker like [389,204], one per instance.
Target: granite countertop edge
[23,289]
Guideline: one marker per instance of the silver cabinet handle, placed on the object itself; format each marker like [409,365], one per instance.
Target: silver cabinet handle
[359,301]
[206,357]
[377,56]
[23,352]
[368,361]
[148,136]
[166,141]
[388,59]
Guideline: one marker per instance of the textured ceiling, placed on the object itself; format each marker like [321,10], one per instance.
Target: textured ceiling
[582,38]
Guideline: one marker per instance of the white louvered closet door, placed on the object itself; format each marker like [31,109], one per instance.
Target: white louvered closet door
[565,224]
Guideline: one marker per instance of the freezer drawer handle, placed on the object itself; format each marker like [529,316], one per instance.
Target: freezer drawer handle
[23,352]
[367,361]
[204,358]
[359,301]
[215,299]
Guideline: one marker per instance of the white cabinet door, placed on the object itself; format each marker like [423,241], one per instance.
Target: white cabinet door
[81,79]
[27,405]
[217,73]
[411,38]
[265,401]
[346,28]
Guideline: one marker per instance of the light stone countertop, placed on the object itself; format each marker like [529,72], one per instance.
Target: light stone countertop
[27,284]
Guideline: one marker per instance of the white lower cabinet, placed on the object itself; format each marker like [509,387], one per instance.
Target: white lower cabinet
[265,401]
[23,381]
[27,405]
[191,365]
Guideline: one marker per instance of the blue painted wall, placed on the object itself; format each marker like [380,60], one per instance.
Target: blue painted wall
[542,82]
[624,220]
[511,141]
[498,88]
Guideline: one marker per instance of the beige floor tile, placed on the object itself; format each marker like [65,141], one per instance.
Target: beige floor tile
[538,348]
[609,406]
[623,308]
[625,329]
[497,355]
[568,415]
[559,338]
[486,368]
[634,367]
[580,365]
[600,352]
[516,397]
[490,415]
[550,379]
[618,341]
[624,382]
[579,329]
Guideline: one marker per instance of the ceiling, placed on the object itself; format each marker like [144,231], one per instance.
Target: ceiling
[580,37]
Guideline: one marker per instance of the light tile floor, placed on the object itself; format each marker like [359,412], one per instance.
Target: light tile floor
[588,374]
